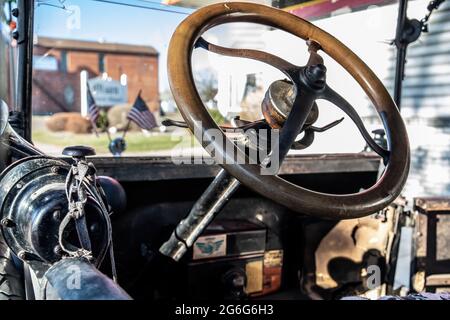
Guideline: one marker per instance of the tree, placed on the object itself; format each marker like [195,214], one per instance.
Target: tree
[206,83]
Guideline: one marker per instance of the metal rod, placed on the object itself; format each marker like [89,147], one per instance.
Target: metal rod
[399,75]
[202,213]
[11,139]
[25,66]
[94,285]
[401,51]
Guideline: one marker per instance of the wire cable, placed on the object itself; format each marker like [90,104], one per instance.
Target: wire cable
[141,6]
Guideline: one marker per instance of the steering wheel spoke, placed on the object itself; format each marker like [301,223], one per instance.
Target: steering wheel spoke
[303,104]
[339,101]
[284,66]
[314,57]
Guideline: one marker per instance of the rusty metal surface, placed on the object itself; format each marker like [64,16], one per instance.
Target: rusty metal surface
[428,204]
[432,244]
[278,103]
[344,254]
[438,280]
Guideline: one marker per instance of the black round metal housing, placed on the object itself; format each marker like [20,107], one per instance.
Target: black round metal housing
[33,203]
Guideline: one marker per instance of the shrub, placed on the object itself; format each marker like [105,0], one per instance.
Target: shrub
[217,116]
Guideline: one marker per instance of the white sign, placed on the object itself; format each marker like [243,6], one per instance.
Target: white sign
[107,93]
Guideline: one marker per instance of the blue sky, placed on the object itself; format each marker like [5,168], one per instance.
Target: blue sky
[100,21]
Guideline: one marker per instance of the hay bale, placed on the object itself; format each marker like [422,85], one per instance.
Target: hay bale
[56,122]
[117,116]
[69,121]
[78,125]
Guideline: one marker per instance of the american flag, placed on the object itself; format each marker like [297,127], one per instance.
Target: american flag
[140,114]
[93,111]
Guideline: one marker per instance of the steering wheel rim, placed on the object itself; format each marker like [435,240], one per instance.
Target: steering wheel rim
[296,198]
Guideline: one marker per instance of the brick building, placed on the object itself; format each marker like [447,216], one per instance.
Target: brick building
[57,64]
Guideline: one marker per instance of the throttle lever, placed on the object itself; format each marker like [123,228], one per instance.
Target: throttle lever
[173,123]
[308,137]
[240,124]
[326,127]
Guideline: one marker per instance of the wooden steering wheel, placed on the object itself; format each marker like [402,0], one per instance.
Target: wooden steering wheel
[311,85]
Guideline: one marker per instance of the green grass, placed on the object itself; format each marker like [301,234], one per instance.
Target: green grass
[136,141]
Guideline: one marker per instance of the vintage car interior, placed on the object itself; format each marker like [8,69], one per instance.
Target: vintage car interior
[232,226]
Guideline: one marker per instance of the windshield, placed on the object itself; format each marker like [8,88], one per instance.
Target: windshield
[95,61]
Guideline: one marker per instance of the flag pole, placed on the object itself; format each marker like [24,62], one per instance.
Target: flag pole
[108,135]
[88,96]
[129,120]
[95,129]
[126,129]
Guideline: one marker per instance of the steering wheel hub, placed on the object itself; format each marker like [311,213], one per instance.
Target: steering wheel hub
[278,102]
